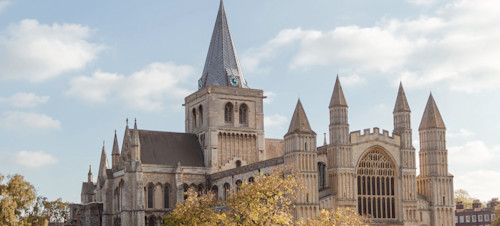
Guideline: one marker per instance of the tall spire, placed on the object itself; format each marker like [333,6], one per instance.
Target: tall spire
[338,98]
[401,102]
[116,149]
[222,66]
[431,118]
[299,123]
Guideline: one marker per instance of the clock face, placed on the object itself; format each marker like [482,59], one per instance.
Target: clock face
[200,84]
[235,81]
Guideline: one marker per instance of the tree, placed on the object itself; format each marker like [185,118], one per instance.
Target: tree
[16,198]
[339,216]
[497,214]
[463,196]
[267,201]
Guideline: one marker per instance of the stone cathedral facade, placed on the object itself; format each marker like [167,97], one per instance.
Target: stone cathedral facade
[372,171]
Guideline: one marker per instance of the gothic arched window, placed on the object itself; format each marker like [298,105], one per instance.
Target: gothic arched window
[215,190]
[200,112]
[166,197]
[150,196]
[151,221]
[238,184]
[322,175]
[228,113]
[194,118]
[226,190]
[243,114]
[375,180]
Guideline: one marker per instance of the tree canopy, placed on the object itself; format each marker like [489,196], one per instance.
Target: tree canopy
[20,205]
[266,201]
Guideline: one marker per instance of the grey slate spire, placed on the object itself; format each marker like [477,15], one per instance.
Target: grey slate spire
[338,98]
[431,118]
[299,123]
[222,66]
[401,102]
[115,154]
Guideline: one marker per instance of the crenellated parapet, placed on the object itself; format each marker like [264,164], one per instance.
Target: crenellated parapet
[375,135]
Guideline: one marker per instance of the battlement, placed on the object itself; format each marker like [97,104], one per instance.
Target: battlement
[367,135]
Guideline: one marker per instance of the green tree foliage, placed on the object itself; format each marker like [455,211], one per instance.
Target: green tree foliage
[463,196]
[267,201]
[17,196]
[19,204]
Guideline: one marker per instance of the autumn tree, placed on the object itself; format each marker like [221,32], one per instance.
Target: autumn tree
[17,196]
[496,222]
[339,216]
[266,201]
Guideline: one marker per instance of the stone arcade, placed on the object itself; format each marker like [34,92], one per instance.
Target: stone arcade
[223,145]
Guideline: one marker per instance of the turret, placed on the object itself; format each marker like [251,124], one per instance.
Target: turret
[90,177]
[115,154]
[432,131]
[339,127]
[136,144]
[435,183]
[402,127]
[402,119]
[300,153]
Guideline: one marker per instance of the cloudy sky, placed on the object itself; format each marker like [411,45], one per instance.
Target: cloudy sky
[72,72]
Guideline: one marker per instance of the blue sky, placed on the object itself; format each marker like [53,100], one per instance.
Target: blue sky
[71,73]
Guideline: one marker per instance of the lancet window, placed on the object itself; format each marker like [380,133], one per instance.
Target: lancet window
[228,112]
[243,114]
[322,175]
[150,196]
[375,179]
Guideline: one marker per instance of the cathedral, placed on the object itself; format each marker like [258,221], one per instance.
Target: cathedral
[372,171]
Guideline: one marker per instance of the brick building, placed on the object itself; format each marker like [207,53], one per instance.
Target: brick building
[477,215]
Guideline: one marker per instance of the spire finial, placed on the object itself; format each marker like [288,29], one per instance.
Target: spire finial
[338,98]
[401,102]
[126,120]
[431,118]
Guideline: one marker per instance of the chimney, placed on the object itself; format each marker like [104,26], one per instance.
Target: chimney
[460,205]
[476,204]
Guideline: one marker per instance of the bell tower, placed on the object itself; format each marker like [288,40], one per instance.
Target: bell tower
[226,115]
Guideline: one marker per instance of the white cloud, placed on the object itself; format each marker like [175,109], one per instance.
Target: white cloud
[33,159]
[482,184]
[275,120]
[146,89]
[4,4]
[456,46]
[352,79]
[18,120]
[270,97]
[36,52]
[462,133]
[422,2]
[25,100]
[473,153]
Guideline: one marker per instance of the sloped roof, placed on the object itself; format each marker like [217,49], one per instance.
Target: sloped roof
[222,61]
[299,123]
[338,98]
[401,102]
[431,118]
[168,148]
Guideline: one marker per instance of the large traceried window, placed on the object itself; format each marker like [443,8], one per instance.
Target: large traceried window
[376,176]
[243,114]
[228,113]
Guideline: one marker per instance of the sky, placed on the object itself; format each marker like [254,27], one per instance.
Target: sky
[72,72]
